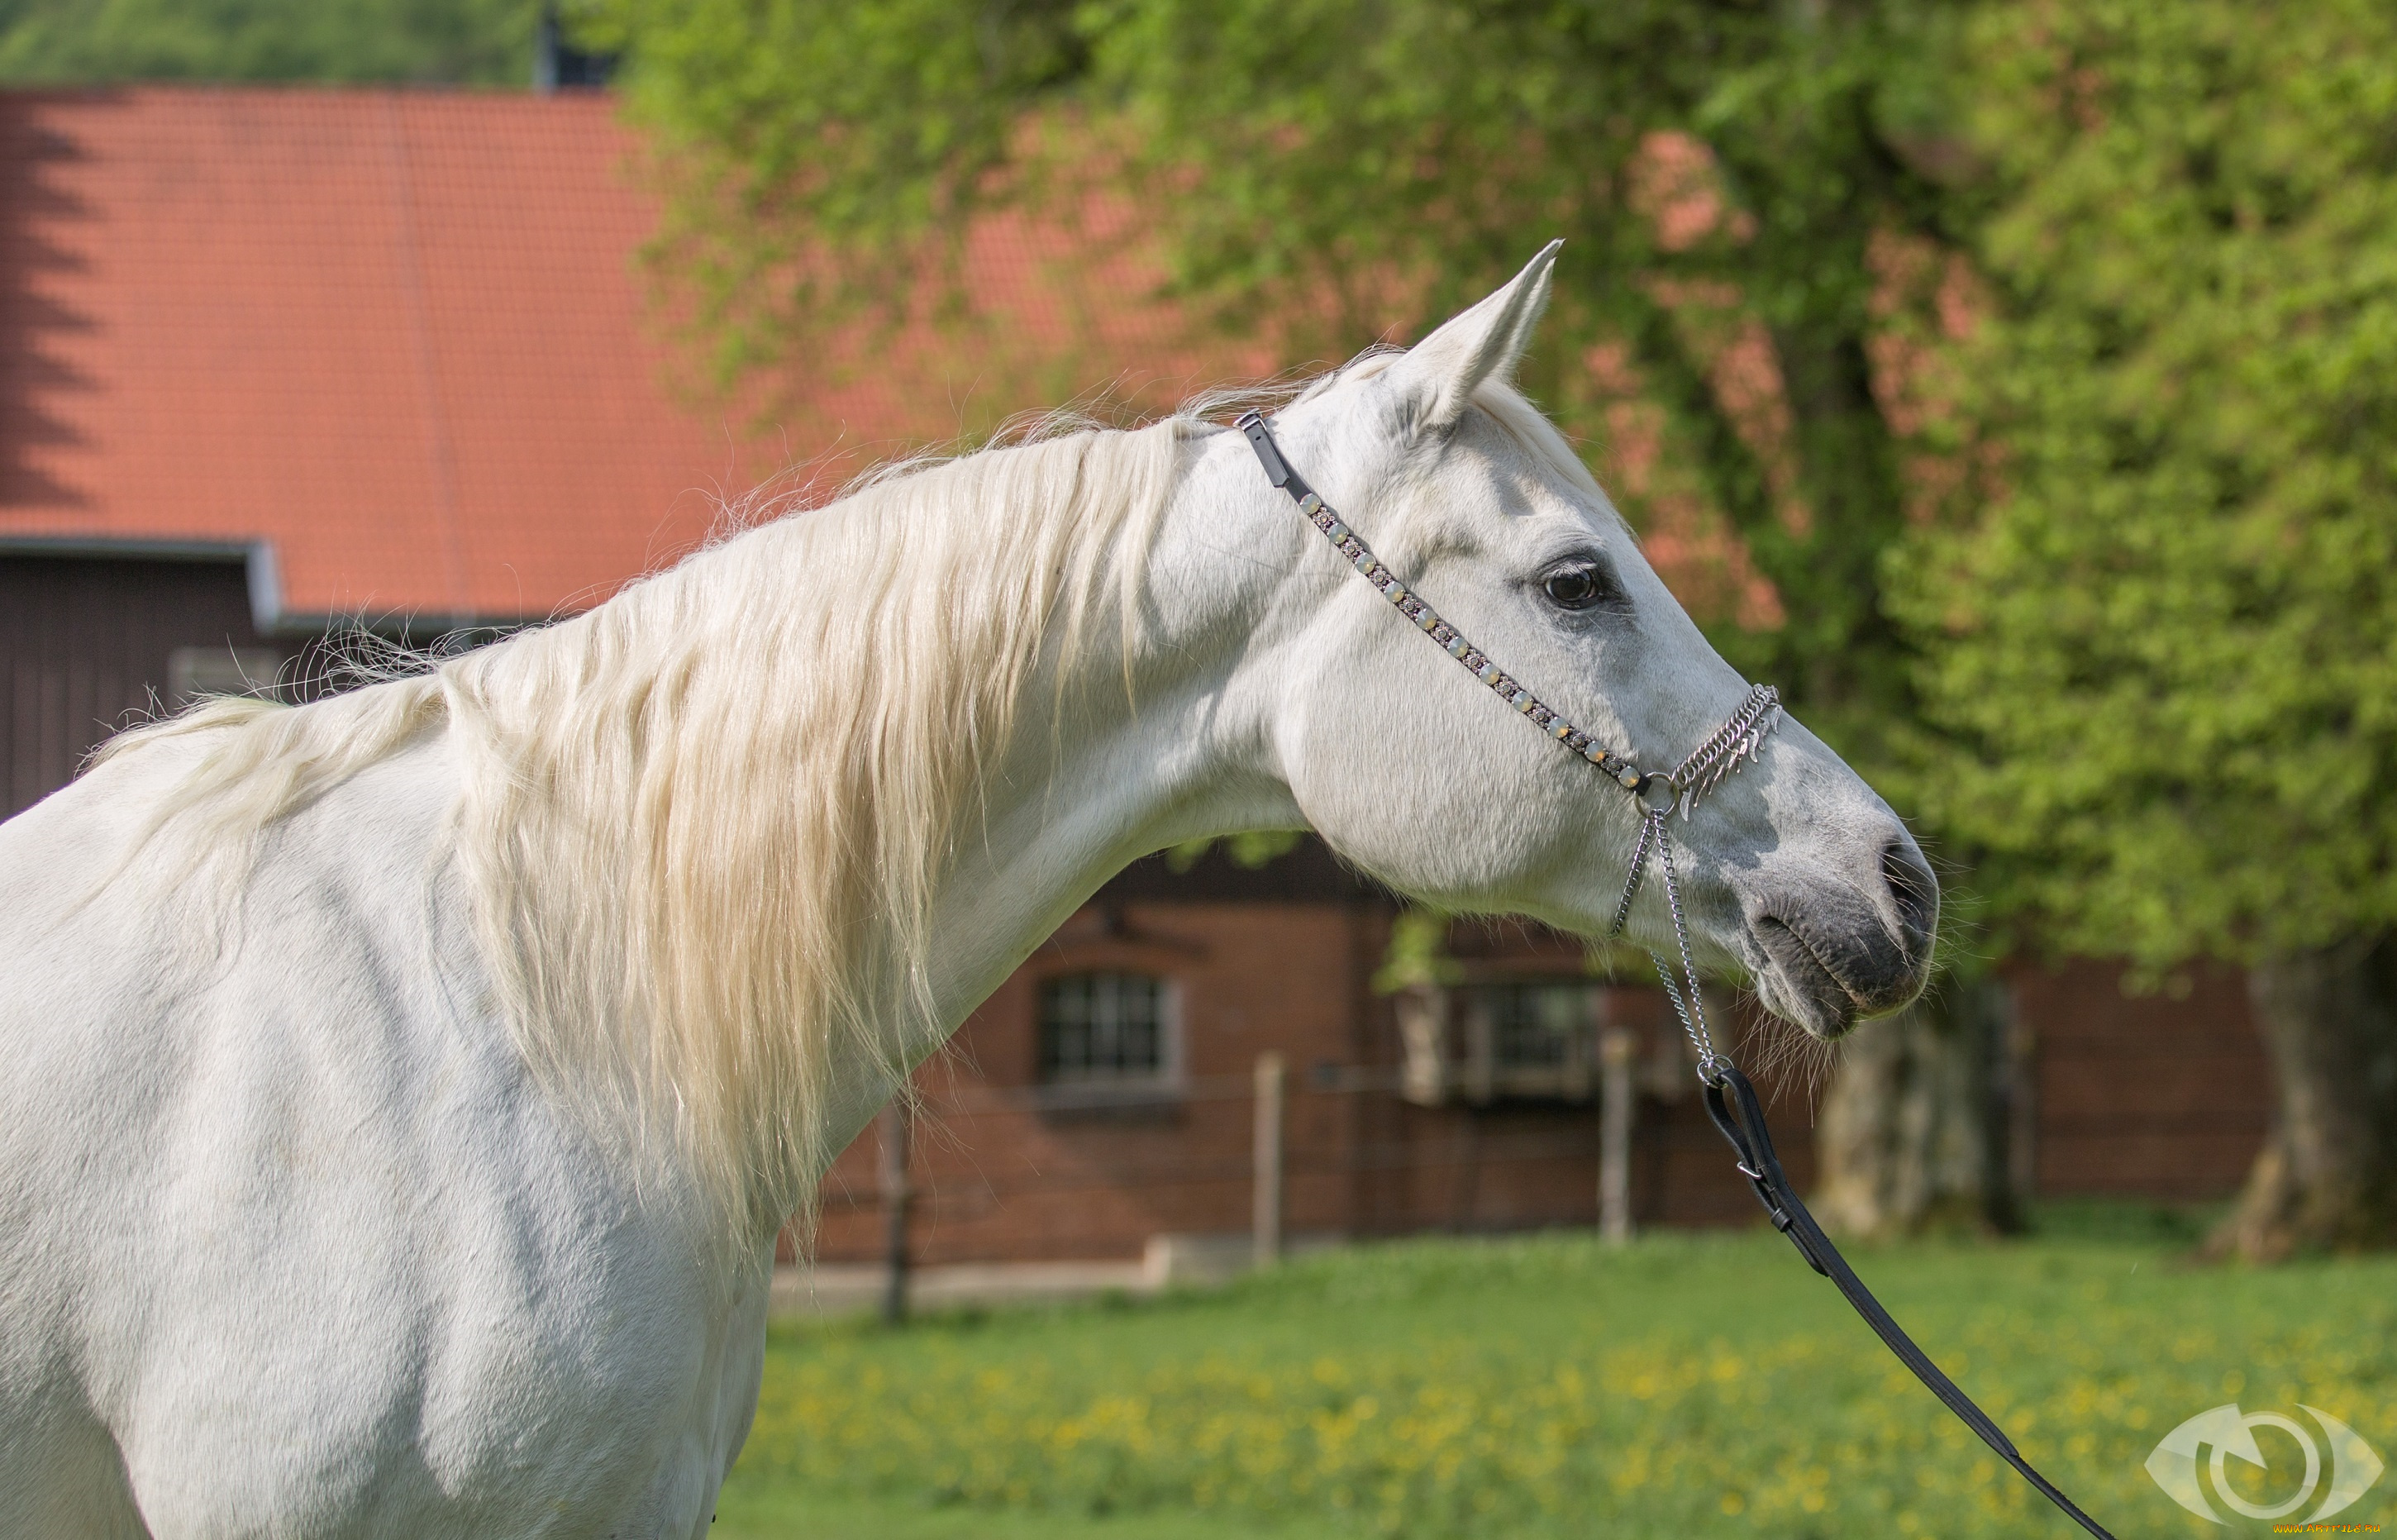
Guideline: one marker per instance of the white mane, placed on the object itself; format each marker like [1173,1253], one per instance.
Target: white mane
[703,821]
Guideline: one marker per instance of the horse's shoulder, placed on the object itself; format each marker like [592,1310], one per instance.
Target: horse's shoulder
[269,1108]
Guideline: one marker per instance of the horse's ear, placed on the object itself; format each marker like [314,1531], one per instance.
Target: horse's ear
[1433,384]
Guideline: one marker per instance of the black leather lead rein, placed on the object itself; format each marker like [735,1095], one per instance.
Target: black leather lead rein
[1730,1100]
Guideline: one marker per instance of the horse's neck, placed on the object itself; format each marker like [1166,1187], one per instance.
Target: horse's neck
[1119,744]
[1173,749]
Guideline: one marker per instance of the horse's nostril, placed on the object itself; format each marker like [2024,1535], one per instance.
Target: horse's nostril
[1915,890]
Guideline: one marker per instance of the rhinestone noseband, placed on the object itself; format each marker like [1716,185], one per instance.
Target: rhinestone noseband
[1737,741]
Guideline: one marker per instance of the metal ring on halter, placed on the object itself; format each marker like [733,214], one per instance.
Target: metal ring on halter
[1649,789]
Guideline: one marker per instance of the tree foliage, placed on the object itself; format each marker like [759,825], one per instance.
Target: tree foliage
[1327,172]
[2168,652]
[85,42]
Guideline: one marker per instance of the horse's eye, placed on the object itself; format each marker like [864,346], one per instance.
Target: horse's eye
[1575,586]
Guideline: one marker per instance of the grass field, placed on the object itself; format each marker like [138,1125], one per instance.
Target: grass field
[1689,1386]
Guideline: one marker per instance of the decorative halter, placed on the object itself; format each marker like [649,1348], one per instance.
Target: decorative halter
[1738,741]
[1731,1101]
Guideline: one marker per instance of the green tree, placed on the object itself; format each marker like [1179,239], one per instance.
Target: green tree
[2168,652]
[85,42]
[1727,173]
[1333,170]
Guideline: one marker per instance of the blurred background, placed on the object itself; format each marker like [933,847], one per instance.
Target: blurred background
[2011,383]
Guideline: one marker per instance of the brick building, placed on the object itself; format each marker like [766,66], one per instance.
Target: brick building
[275,362]
[278,361]
[1009,1161]
[1012,1160]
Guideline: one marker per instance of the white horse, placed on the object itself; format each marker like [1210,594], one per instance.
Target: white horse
[400,1095]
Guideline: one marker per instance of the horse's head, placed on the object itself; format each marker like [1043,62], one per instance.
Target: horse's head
[1793,869]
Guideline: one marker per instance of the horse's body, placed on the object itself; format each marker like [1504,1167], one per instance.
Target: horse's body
[399,1096]
[267,1278]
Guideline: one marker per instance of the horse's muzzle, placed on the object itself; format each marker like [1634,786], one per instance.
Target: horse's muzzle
[1828,952]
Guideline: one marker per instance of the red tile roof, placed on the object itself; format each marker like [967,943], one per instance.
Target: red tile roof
[399,340]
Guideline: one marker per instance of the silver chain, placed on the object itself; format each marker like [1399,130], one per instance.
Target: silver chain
[1651,828]
[1738,741]
[1693,1012]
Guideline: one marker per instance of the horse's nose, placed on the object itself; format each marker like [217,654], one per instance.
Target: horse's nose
[1846,933]
[1914,895]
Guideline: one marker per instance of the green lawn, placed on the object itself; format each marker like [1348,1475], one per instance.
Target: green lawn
[1689,1386]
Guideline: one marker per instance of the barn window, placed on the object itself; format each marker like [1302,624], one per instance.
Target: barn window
[1102,1029]
[1527,1038]
[1536,1026]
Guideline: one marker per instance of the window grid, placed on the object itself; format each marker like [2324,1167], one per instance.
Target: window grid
[1533,1025]
[1102,1028]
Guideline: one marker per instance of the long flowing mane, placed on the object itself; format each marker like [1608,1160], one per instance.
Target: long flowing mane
[702,823]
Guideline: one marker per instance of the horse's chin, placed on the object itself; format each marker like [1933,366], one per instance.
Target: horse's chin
[1792,983]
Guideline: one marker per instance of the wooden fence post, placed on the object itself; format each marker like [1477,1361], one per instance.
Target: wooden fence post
[1266,1206]
[898,1197]
[1616,1050]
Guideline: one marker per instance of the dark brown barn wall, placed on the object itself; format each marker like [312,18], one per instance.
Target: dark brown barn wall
[84,644]
[2147,1094]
